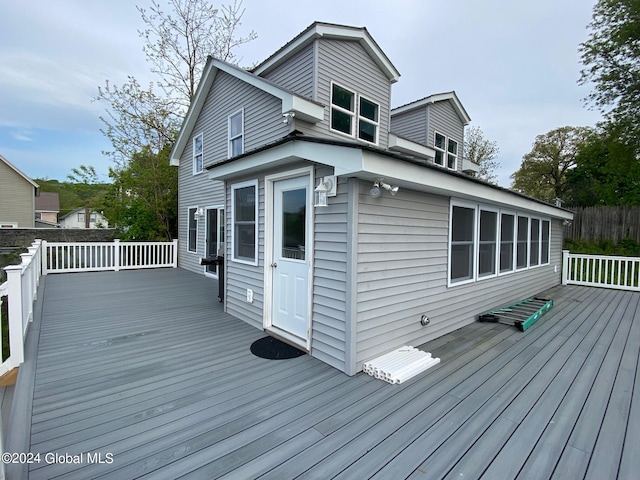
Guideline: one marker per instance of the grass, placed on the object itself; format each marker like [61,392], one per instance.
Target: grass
[625,248]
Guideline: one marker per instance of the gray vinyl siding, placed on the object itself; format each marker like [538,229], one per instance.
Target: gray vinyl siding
[262,124]
[444,120]
[296,74]
[349,65]
[329,303]
[411,125]
[402,274]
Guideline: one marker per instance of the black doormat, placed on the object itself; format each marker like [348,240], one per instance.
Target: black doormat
[273,349]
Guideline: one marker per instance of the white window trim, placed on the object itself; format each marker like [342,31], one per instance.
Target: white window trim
[367,120]
[234,187]
[189,218]
[445,151]
[355,115]
[496,259]
[240,135]
[478,207]
[194,163]
[514,242]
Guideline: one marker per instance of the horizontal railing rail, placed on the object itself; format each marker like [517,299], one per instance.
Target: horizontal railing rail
[615,272]
[66,257]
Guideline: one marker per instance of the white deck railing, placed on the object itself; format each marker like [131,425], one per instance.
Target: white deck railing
[601,271]
[65,257]
[21,289]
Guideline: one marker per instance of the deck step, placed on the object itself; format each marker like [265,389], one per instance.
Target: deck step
[522,314]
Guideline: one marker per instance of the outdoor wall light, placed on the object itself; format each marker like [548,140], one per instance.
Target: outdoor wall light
[198,213]
[375,191]
[325,189]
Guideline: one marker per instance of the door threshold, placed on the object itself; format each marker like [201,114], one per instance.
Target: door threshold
[287,338]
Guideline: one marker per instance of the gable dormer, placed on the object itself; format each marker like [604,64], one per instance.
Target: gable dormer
[436,122]
[345,70]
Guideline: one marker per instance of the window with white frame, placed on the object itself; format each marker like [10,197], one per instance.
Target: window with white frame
[485,242]
[198,154]
[244,212]
[192,230]
[446,151]
[522,248]
[236,134]
[344,105]
[368,121]
[462,243]
[507,241]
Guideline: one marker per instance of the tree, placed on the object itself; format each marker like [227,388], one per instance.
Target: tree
[607,172]
[176,45]
[543,171]
[483,152]
[611,59]
[142,124]
[141,199]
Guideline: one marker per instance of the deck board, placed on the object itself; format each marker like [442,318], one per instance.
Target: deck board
[146,365]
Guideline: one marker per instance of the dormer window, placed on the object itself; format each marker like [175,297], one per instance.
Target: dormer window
[342,109]
[344,118]
[446,151]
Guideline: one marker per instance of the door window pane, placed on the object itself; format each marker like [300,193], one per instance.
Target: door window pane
[294,213]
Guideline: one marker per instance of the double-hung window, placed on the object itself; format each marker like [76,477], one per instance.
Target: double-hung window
[534,252]
[463,229]
[197,154]
[446,151]
[244,211]
[522,248]
[354,115]
[236,134]
[192,230]
[487,243]
[507,240]
[546,231]
[343,107]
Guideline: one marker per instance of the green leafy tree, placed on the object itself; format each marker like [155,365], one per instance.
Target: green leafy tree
[141,200]
[483,152]
[607,172]
[543,171]
[611,59]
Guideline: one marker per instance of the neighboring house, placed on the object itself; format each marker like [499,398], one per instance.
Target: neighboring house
[408,247]
[17,197]
[78,219]
[47,209]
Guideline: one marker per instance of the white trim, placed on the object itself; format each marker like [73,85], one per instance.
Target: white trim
[514,232]
[412,148]
[523,215]
[438,97]
[445,151]
[269,181]
[230,139]
[474,246]
[367,120]
[237,186]
[351,114]
[193,153]
[496,242]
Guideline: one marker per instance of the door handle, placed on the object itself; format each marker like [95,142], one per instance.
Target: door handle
[274,264]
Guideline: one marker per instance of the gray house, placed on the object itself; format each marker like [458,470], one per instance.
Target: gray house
[349,228]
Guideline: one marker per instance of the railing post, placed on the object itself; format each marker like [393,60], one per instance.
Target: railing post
[116,255]
[565,267]
[14,291]
[45,254]
[175,253]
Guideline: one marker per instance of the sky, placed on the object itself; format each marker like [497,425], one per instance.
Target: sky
[514,66]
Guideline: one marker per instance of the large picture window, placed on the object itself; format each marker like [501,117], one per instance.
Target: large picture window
[462,243]
[244,244]
[486,242]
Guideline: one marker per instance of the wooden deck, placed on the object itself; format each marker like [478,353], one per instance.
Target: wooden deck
[144,368]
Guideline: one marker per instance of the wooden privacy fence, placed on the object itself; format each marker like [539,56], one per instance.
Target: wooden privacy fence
[593,224]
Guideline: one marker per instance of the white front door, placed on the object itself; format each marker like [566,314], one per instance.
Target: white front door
[290,257]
